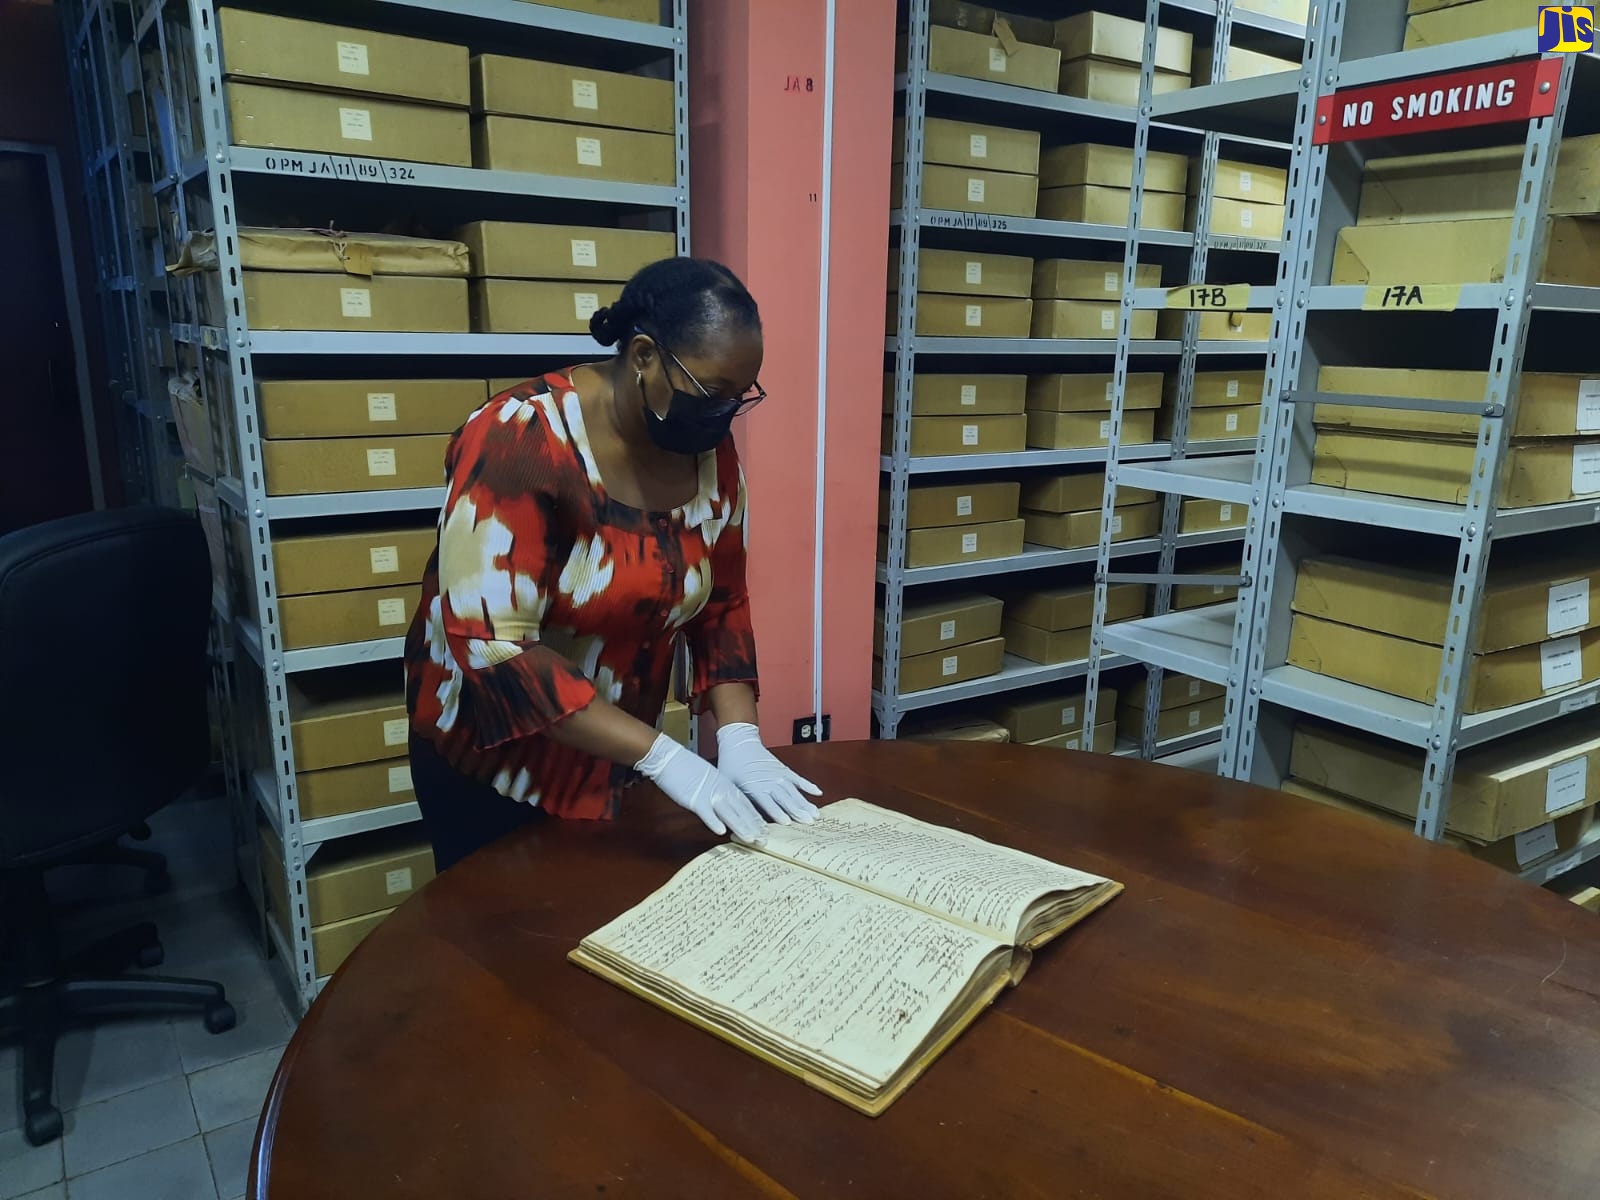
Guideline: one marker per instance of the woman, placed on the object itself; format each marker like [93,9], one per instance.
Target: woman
[593,516]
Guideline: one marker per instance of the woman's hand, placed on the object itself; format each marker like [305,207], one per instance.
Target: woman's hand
[691,782]
[774,787]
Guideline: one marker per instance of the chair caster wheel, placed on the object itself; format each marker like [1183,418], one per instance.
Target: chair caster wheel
[157,883]
[220,1017]
[152,956]
[42,1126]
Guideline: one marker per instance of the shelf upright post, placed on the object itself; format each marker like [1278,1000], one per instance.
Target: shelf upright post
[214,114]
[1308,164]
[916,93]
[1119,381]
[680,127]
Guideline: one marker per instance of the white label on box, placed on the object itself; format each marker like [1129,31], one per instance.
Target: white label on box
[1116,524]
[1113,282]
[1217,589]
[1111,391]
[975,315]
[583,253]
[969,394]
[1560,663]
[974,272]
[1073,743]
[1108,318]
[963,506]
[1589,406]
[997,59]
[380,462]
[978,145]
[1230,423]
[969,543]
[950,665]
[1534,844]
[1245,181]
[947,630]
[1233,389]
[1574,704]
[1247,219]
[398,882]
[1569,607]
[1586,469]
[355,124]
[385,559]
[1069,716]
[585,93]
[355,302]
[392,611]
[969,435]
[380,406]
[1105,429]
[400,778]
[975,190]
[589,152]
[1224,513]
[1194,688]
[585,305]
[395,732]
[353,58]
[1566,785]
[1194,718]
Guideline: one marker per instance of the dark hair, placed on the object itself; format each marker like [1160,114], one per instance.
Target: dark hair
[680,301]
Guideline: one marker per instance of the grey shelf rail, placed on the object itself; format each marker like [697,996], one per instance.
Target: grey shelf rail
[166,56]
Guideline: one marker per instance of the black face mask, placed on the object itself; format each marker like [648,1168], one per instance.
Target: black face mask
[692,424]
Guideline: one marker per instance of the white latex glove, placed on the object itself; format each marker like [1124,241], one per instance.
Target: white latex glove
[774,788]
[692,782]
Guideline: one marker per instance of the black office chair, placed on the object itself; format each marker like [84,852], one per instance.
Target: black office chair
[103,691]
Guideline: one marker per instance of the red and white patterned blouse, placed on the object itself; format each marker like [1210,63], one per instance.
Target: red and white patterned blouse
[545,592]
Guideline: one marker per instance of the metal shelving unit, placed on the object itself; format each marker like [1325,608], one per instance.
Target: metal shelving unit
[1063,119]
[1289,517]
[1193,642]
[202,180]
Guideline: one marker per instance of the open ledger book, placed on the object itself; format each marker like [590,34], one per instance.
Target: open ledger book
[849,952]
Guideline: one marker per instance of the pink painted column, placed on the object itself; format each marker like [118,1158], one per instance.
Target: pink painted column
[756,100]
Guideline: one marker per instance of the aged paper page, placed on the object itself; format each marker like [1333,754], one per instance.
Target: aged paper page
[855,980]
[941,870]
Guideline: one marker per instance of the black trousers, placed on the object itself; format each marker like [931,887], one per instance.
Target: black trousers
[460,814]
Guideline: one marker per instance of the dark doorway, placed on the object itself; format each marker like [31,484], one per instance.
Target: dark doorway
[44,471]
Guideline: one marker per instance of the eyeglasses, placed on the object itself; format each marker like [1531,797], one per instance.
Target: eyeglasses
[718,406]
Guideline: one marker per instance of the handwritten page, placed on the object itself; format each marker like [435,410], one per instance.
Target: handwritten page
[937,869]
[852,978]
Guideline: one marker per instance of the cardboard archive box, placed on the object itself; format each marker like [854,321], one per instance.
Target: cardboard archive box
[1198,595]
[1086,430]
[335,723]
[1548,405]
[1461,252]
[581,151]
[360,787]
[281,118]
[935,506]
[1105,740]
[969,189]
[514,250]
[1076,492]
[330,408]
[1177,691]
[963,394]
[1474,184]
[1207,516]
[1435,24]
[965,144]
[959,664]
[937,437]
[648,11]
[1033,717]
[518,87]
[967,273]
[947,545]
[538,305]
[1092,391]
[1084,279]
[1497,790]
[1177,722]
[1101,54]
[1382,626]
[983,56]
[1087,319]
[959,727]
[1546,471]
[309,466]
[305,54]
[1240,64]
[347,587]
[1095,205]
[941,625]
[1241,218]
[1214,424]
[1080,530]
[1218,326]
[1091,164]
[967,316]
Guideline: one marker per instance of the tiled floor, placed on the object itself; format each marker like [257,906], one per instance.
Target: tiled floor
[158,1109]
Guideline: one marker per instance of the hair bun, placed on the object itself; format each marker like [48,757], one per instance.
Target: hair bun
[607,326]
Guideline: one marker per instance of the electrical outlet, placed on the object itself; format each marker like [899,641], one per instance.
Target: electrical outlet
[805,729]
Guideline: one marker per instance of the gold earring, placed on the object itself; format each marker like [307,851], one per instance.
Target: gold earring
[638,381]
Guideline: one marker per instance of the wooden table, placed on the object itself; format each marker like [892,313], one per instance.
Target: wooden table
[1288,1002]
